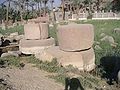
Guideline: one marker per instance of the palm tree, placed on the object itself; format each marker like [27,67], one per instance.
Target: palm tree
[77,3]
[53,13]
[44,2]
[32,4]
[39,4]
[21,5]
[7,8]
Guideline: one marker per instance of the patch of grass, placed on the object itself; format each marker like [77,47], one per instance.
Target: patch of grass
[52,66]
[59,78]
[18,29]
[53,33]
[10,61]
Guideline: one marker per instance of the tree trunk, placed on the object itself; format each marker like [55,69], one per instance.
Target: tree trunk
[21,13]
[53,13]
[77,11]
[40,8]
[32,11]
[44,9]
[7,14]
[63,10]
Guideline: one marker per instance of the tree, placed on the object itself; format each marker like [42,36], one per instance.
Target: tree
[45,2]
[77,3]
[116,5]
[63,9]
[52,12]
[39,4]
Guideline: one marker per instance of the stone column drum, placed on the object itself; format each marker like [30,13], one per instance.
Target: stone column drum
[32,31]
[36,38]
[78,38]
[75,37]
[36,31]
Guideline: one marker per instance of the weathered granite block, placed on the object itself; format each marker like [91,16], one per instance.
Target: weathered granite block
[32,31]
[75,37]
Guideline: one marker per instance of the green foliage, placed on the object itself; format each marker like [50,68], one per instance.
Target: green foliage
[52,66]
[18,29]
[53,33]
[59,78]
[10,61]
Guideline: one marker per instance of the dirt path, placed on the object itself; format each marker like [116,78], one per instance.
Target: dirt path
[30,78]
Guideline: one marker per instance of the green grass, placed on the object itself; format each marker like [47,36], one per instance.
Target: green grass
[10,61]
[18,29]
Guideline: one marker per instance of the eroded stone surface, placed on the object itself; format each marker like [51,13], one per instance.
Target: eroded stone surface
[35,46]
[84,60]
[75,37]
[36,31]
[43,30]
[32,31]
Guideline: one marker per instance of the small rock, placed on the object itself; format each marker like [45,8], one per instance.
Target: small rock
[96,42]
[9,54]
[114,45]
[109,39]
[9,38]
[19,37]
[97,47]
[102,35]
[14,34]
[51,25]
[117,30]
[18,52]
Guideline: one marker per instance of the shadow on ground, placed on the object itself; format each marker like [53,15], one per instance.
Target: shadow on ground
[73,84]
[110,66]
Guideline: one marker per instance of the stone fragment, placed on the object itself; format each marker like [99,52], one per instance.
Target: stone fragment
[102,35]
[19,37]
[97,47]
[117,30]
[96,42]
[109,39]
[18,52]
[75,37]
[14,34]
[9,54]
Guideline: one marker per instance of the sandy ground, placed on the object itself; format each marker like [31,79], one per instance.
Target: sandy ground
[30,78]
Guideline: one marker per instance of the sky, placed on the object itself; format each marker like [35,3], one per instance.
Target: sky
[56,2]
